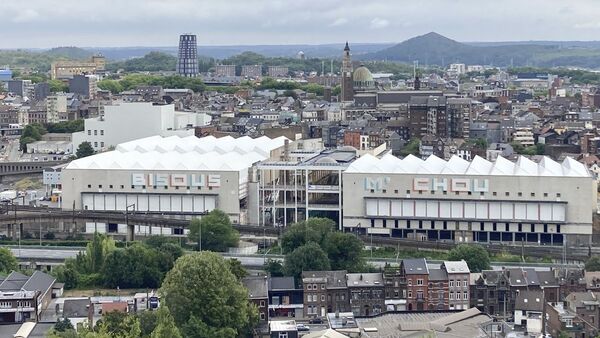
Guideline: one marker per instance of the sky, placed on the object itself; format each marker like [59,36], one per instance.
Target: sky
[120,23]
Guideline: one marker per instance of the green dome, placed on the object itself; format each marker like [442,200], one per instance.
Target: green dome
[363,79]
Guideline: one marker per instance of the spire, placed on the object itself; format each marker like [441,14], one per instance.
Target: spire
[347,47]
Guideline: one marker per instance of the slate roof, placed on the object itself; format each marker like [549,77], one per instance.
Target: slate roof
[415,266]
[282,283]
[257,287]
[529,300]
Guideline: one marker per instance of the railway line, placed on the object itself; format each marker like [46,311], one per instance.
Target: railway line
[21,214]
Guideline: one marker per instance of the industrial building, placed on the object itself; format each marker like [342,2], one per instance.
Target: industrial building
[276,182]
[477,201]
[183,176]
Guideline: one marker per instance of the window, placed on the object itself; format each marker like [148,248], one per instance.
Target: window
[96,144]
[494,193]
[465,283]
[284,334]
[465,295]
[262,316]
[384,191]
[568,322]
[419,282]
[99,186]
[408,191]
[532,194]
[557,194]
[520,194]
[101,132]
[322,286]
[95,132]
[545,194]
[90,132]
[309,287]
[451,283]
[122,186]
[102,144]
[395,191]
[451,295]
[322,298]
[507,194]
[458,296]
[262,303]
[410,282]
[89,185]
[110,186]
[409,293]
[315,287]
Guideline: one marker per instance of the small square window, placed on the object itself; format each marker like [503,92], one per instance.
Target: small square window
[122,186]
[395,191]
[99,186]
[433,192]
[520,194]
[532,194]
[153,187]
[408,191]
[420,192]
[110,186]
[494,194]
[507,193]
[481,193]
[133,187]
[445,192]
[372,190]
[384,191]
[89,185]
[545,194]
[456,193]
[469,193]
[557,194]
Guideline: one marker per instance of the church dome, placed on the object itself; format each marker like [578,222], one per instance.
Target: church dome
[363,79]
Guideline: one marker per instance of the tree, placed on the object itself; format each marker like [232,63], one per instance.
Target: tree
[96,251]
[343,250]
[217,232]
[84,149]
[312,230]
[165,325]
[274,268]
[133,267]
[593,264]
[411,148]
[236,268]
[67,274]
[8,262]
[31,133]
[147,321]
[57,86]
[63,325]
[309,257]
[110,85]
[476,256]
[205,298]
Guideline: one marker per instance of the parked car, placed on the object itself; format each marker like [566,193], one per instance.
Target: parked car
[316,320]
[302,327]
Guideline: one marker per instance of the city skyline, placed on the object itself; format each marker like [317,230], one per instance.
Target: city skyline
[46,24]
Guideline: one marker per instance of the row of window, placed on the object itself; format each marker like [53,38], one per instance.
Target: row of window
[456,295]
[494,193]
[312,309]
[89,132]
[495,226]
[314,298]
[110,186]
[314,287]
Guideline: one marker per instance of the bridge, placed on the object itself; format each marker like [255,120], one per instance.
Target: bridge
[24,218]
[20,168]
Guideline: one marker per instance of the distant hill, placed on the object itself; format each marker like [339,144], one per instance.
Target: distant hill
[435,49]
[151,62]
[74,53]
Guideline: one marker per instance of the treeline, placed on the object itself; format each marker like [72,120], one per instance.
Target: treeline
[102,264]
[315,245]
[34,131]
[132,81]
[156,62]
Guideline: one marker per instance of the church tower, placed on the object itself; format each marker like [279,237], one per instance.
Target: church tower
[347,91]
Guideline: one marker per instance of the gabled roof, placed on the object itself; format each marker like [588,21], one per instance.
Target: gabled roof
[390,164]
[39,281]
[14,282]
[415,266]
[183,153]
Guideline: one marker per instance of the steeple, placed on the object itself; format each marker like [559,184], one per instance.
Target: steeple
[347,48]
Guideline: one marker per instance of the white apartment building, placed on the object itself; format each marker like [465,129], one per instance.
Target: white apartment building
[130,121]
[56,108]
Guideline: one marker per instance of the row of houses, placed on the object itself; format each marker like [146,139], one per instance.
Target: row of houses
[415,286]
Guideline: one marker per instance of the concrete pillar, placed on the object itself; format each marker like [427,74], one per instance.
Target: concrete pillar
[130,232]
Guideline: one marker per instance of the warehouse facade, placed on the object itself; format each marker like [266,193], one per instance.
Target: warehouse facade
[547,203]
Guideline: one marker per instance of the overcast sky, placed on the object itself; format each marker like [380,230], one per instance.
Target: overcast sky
[50,23]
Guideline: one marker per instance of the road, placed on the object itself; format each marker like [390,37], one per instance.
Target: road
[12,151]
[54,254]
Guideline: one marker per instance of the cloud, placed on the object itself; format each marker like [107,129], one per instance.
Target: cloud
[378,23]
[338,22]
[27,15]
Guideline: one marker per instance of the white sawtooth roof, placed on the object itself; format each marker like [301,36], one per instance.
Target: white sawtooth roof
[183,153]
[458,166]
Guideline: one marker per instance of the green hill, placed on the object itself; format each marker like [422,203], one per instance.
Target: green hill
[435,49]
